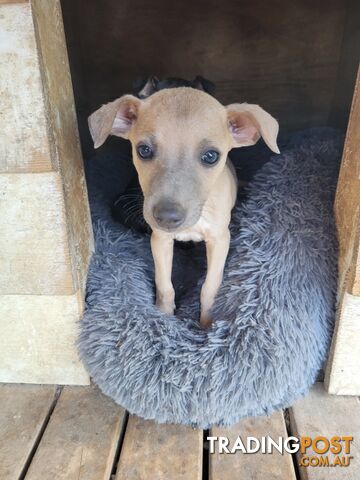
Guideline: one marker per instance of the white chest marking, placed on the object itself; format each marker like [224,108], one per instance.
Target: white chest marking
[196,233]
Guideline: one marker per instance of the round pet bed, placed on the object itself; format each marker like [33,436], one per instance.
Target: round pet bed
[273,315]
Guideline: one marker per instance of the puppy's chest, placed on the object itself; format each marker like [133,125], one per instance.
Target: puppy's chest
[196,233]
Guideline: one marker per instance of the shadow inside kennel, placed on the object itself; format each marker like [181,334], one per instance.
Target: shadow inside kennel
[297,60]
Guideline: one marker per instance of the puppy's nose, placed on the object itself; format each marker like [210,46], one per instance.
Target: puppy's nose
[169,215]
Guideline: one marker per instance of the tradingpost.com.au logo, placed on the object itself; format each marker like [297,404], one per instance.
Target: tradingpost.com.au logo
[314,452]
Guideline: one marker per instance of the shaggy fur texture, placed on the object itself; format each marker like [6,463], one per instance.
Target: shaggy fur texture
[274,312]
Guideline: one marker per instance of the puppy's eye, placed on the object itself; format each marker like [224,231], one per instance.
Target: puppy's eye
[145,152]
[210,157]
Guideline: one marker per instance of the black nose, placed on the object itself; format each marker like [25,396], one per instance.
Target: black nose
[169,215]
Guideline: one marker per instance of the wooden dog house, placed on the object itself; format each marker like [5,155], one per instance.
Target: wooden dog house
[297,59]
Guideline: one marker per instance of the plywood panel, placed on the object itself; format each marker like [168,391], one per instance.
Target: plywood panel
[255,466]
[24,144]
[38,339]
[321,414]
[160,452]
[81,438]
[23,411]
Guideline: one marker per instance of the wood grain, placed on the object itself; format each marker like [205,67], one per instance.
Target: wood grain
[24,144]
[63,133]
[38,339]
[160,452]
[46,236]
[321,414]
[347,203]
[255,466]
[342,372]
[4,2]
[34,249]
[39,134]
[81,438]
[23,411]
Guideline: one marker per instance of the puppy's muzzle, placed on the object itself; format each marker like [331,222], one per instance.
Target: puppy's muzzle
[169,215]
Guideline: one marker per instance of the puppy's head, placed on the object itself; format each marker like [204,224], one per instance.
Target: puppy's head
[180,140]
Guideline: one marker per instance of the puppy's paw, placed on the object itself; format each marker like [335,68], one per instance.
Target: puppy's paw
[205,320]
[166,307]
[165,301]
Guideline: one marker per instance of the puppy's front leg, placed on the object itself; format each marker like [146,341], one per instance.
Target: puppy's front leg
[217,248]
[162,247]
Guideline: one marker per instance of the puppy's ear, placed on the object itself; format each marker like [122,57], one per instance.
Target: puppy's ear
[247,123]
[149,88]
[114,118]
[202,83]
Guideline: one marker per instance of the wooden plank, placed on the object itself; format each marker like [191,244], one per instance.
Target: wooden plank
[39,308]
[46,237]
[347,203]
[23,411]
[38,127]
[81,438]
[38,339]
[39,134]
[4,2]
[24,144]
[321,414]
[160,452]
[34,251]
[255,466]
[64,134]
[342,373]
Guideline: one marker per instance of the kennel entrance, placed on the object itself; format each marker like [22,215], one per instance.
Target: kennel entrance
[257,53]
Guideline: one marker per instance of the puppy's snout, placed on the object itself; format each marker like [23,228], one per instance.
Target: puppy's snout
[169,215]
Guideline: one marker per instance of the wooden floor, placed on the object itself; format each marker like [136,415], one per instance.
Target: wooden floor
[49,432]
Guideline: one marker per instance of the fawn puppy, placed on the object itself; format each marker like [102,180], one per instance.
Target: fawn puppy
[180,142]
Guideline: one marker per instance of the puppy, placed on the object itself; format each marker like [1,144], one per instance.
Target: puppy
[180,142]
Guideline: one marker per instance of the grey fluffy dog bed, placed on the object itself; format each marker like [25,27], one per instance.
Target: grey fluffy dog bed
[274,312]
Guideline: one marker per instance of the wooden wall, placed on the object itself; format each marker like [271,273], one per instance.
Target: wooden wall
[342,375]
[46,235]
[297,59]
